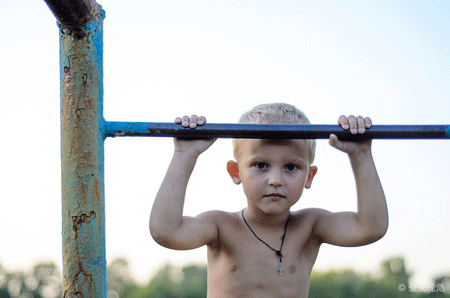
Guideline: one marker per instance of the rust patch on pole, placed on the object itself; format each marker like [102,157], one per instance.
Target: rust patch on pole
[82,159]
[83,218]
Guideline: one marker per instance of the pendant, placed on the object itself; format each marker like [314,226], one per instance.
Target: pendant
[280,269]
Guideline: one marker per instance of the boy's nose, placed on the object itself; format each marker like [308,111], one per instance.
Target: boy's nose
[275,178]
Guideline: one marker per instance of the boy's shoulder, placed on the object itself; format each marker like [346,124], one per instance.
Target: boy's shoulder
[306,219]
[220,217]
[227,224]
[308,213]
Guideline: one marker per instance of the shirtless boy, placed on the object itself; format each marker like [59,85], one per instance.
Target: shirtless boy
[267,250]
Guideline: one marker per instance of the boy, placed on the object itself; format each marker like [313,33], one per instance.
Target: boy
[266,250]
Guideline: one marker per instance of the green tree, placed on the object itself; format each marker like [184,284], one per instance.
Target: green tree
[162,285]
[395,274]
[347,283]
[119,279]
[439,289]
[3,282]
[169,282]
[194,281]
[343,283]
[44,281]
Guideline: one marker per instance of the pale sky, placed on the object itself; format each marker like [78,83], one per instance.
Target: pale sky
[389,60]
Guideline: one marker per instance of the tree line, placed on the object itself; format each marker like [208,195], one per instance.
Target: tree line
[45,281]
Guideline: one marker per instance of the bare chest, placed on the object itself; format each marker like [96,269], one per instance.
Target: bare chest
[245,264]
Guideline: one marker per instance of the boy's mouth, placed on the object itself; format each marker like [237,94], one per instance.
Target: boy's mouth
[274,196]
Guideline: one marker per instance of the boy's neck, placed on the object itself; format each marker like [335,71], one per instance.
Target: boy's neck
[257,217]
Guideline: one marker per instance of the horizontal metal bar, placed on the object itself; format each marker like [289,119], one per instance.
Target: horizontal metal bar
[72,14]
[272,131]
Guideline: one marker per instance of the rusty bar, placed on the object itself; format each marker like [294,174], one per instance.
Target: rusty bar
[74,14]
[273,131]
[82,155]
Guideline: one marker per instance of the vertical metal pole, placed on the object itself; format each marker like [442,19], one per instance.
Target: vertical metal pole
[82,155]
[83,202]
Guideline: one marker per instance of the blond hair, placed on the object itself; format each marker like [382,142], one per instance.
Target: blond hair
[275,113]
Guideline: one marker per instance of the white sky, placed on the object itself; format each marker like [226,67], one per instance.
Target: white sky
[389,60]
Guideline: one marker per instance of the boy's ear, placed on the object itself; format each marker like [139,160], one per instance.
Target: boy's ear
[233,170]
[311,174]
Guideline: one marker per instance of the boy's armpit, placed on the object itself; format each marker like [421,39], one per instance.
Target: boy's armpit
[210,220]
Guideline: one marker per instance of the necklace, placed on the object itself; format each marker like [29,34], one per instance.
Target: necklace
[277,252]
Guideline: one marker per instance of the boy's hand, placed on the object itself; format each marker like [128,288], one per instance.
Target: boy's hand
[196,146]
[191,122]
[356,125]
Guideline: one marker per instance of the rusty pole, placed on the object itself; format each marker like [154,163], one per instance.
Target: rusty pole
[82,155]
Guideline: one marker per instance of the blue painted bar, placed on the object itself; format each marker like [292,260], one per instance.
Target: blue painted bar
[271,131]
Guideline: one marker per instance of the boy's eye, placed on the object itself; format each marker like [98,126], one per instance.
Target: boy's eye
[261,165]
[291,167]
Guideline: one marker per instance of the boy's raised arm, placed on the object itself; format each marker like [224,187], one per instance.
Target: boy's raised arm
[370,222]
[168,226]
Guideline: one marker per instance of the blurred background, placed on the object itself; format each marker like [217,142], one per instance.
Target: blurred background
[389,60]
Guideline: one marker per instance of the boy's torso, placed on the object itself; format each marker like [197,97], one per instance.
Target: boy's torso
[240,265]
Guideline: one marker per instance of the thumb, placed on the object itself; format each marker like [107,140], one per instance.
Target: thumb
[334,142]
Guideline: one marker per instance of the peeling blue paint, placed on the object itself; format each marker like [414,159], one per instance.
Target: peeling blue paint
[82,160]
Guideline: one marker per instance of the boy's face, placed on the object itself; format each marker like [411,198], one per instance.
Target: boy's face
[273,172]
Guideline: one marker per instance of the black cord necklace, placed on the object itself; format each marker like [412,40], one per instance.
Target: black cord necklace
[278,252]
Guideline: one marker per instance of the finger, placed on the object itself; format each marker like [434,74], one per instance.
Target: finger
[201,120]
[334,142]
[193,122]
[368,122]
[185,121]
[177,120]
[343,122]
[352,122]
[360,124]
